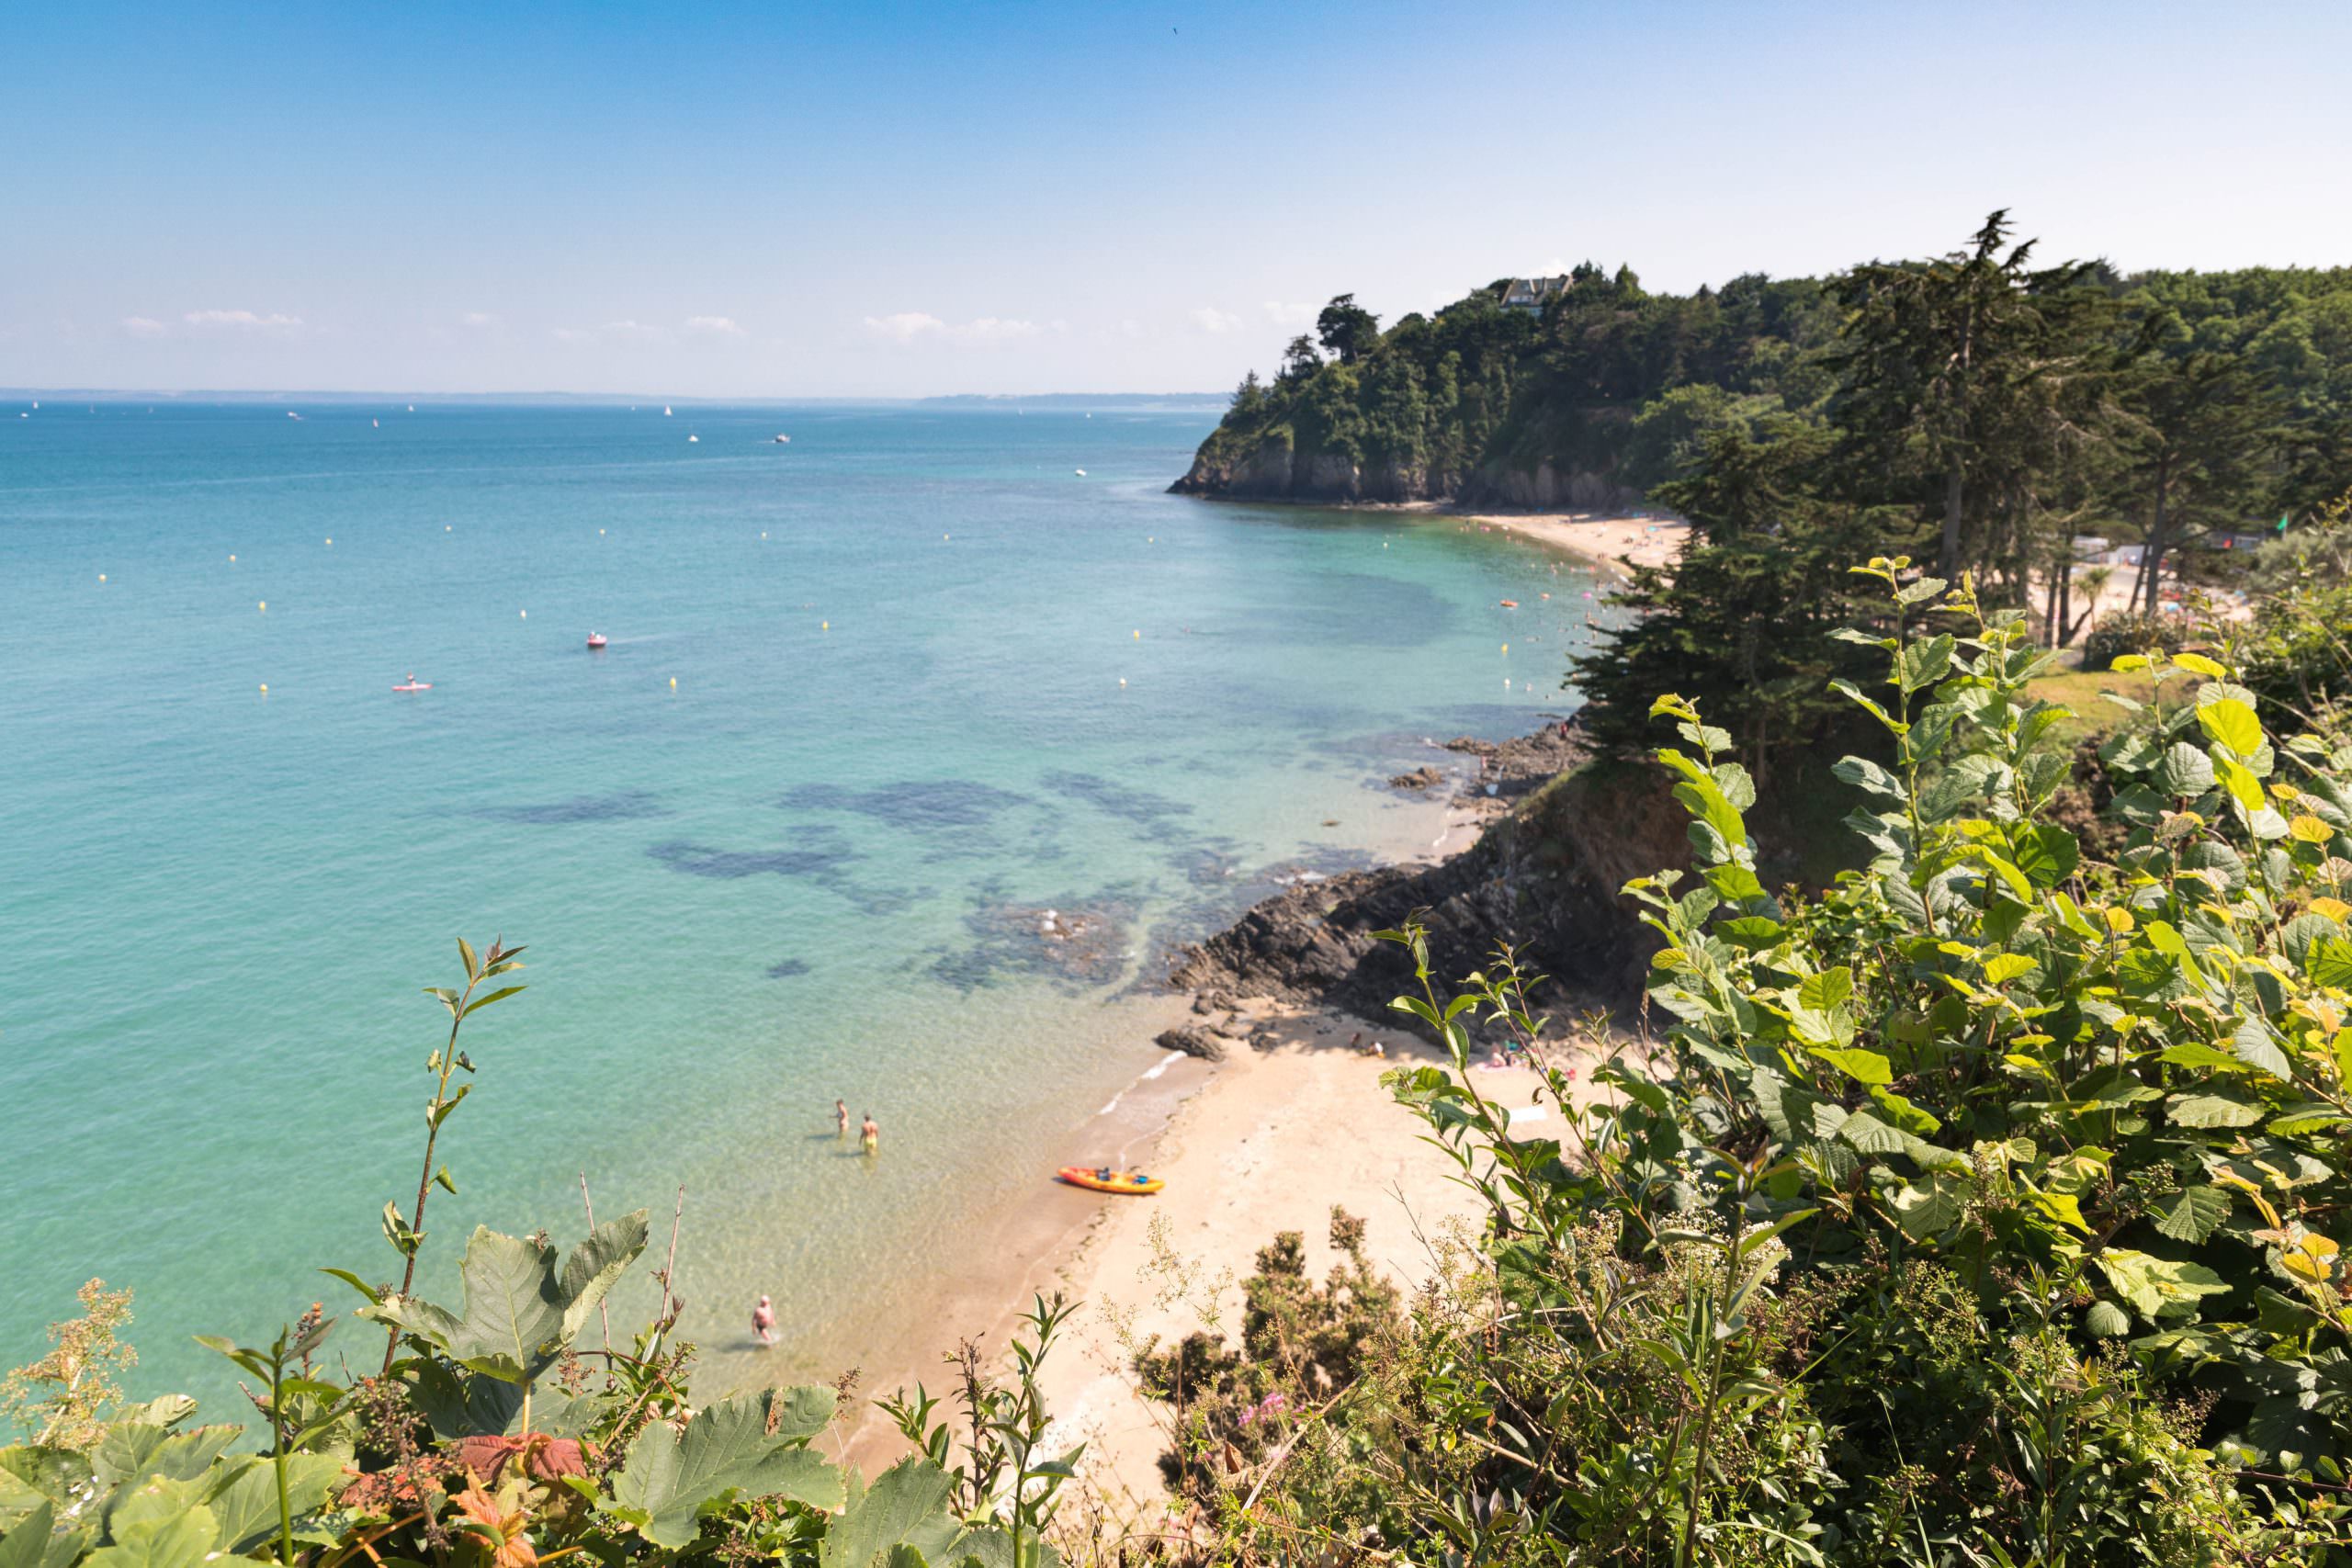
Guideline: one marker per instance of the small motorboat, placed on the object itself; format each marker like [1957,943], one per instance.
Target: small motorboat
[1081,473]
[1133,1182]
[413,684]
[784,440]
[693,438]
[1510,603]
[595,639]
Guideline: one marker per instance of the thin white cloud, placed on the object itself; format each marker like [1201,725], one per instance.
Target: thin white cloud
[144,326]
[1209,319]
[614,331]
[714,326]
[914,326]
[477,319]
[906,325]
[246,321]
[1285,315]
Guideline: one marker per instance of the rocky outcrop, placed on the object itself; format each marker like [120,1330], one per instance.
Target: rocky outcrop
[1193,1041]
[1567,833]
[1422,777]
[1272,471]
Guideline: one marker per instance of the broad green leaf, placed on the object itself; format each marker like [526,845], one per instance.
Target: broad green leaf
[54,1473]
[2202,665]
[2329,961]
[2186,770]
[1927,1208]
[2256,1046]
[2196,1213]
[1904,1115]
[1862,1066]
[2047,854]
[1867,775]
[519,1311]
[726,1450]
[2106,1320]
[907,1505]
[1826,990]
[2212,1110]
[2233,724]
[185,1541]
[2004,967]
[2158,1286]
[245,1500]
[32,1540]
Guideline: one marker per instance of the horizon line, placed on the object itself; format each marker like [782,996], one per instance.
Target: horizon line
[398,395]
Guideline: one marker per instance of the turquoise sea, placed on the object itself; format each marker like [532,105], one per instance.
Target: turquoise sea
[871,699]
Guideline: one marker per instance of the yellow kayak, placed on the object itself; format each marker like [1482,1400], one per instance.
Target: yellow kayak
[1116,1182]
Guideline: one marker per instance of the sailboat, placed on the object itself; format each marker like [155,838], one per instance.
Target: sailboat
[665,411]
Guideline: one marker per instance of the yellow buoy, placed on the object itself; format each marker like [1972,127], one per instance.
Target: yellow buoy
[825,626]
[264,688]
[1122,680]
[526,615]
[600,532]
[233,561]
[673,682]
[943,538]
[330,541]
[1506,648]
[445,527]
[265,604]
[102,577]
[1138,634]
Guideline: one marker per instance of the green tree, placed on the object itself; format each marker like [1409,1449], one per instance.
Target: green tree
[1346,328]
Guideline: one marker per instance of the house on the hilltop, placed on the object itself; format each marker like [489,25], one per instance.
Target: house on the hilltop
[1531,294]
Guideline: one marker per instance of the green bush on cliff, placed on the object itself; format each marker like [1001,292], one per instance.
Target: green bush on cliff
[1985,1208]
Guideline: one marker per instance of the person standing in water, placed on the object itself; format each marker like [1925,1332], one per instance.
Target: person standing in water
[764,1322]
[870,1136]
[841,1117]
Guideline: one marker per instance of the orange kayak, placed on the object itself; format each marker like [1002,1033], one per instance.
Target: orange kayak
[1119,1180]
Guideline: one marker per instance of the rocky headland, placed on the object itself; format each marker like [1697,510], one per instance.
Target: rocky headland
[1563,833]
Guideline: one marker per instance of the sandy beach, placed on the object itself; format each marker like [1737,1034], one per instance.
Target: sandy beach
[1603,540]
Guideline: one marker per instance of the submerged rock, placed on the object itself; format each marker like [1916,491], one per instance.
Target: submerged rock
[1423,778]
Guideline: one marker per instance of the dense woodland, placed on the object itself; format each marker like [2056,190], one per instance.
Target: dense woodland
[1981,410]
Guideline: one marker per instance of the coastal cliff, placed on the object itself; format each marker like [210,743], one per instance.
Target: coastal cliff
[1568,832]
[1270,469]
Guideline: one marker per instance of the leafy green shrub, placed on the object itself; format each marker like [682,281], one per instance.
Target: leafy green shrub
[1996,1192]
[2120,632]
[1301,1344]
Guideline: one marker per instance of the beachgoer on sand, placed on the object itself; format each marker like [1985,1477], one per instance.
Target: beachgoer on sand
[869,1135]
[764,1322]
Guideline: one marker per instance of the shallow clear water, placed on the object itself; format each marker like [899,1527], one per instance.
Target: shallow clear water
[811,868]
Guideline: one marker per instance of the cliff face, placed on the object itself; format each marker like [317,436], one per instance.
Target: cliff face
[1269,469]
[1544,876]
[1272,469]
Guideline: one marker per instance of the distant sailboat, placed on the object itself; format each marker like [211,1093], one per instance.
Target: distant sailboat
[693,437]
[665,411]
[375,424]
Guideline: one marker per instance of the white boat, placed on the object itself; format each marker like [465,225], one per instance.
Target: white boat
[1081,473]
[784,440]
[693,437]
[665,411]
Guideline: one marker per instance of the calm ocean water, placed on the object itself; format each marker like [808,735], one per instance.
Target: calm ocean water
[809,869]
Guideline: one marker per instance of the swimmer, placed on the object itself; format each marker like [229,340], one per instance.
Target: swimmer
[841,1117]
[764,1322]
[869,1135]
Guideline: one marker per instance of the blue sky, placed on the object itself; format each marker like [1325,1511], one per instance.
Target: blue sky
[781,200]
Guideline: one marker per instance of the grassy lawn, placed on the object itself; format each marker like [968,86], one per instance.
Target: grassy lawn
[2080,690]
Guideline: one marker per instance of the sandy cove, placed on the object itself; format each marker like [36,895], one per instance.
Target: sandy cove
[1603,541]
